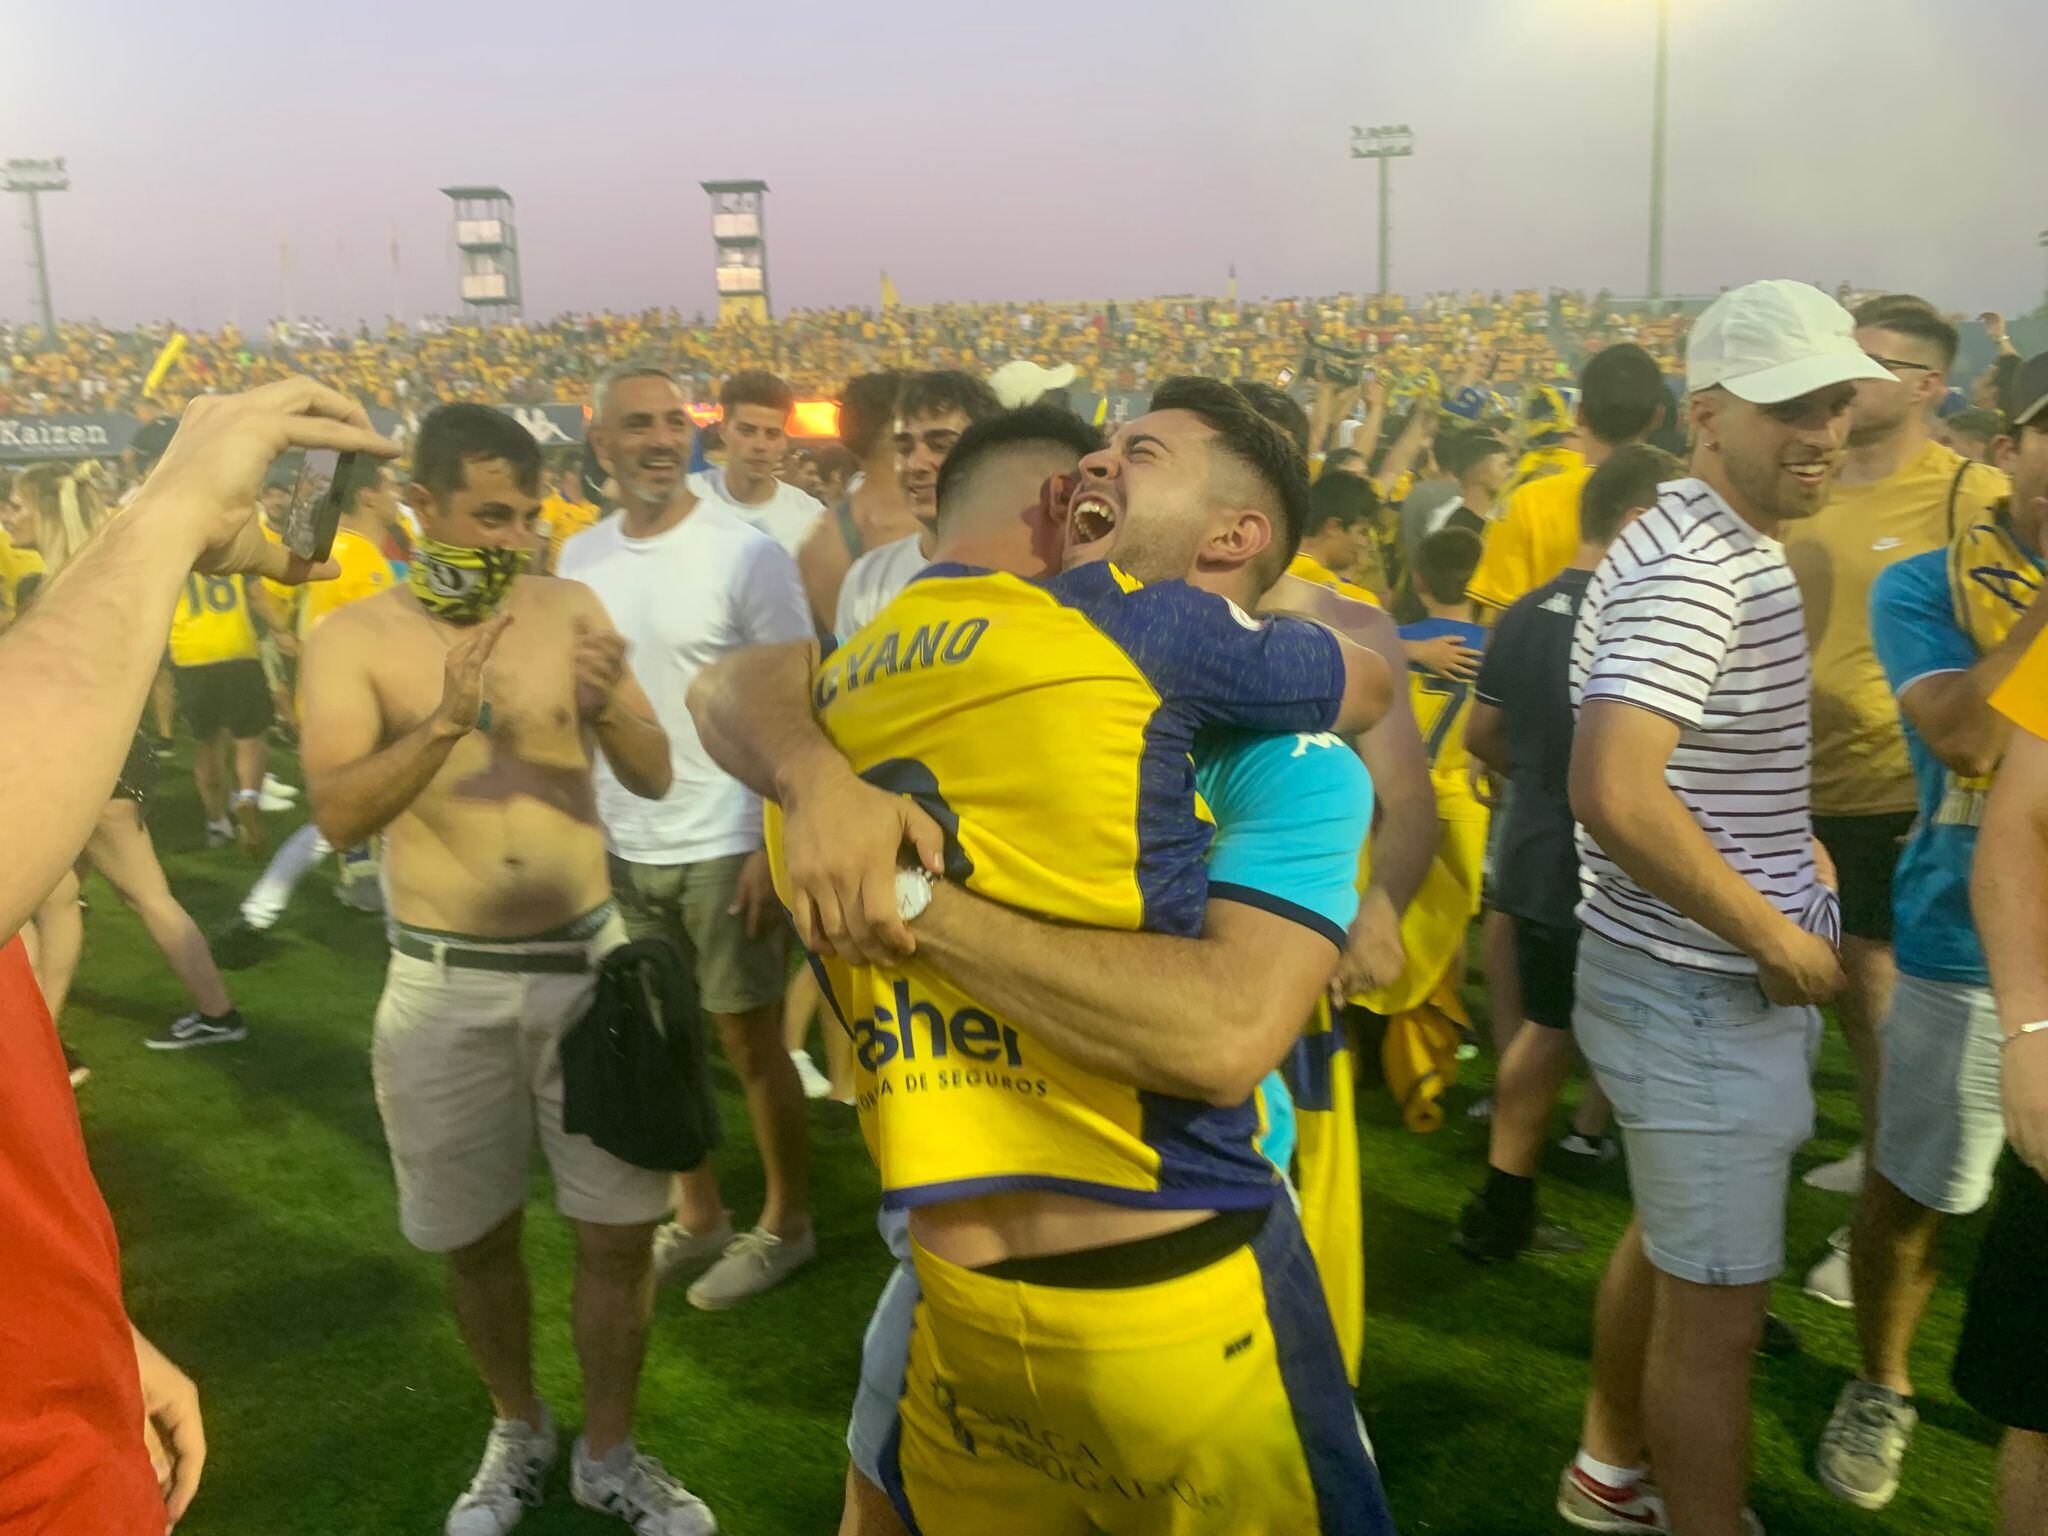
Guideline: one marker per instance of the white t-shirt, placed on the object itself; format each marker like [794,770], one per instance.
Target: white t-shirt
[786,517]
[873,581]
[682,599]
[1695,616]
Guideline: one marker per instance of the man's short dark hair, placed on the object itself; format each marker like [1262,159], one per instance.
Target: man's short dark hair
[1257,444]
[1465,451]
[1278,407]
[1976,422]
[454,436]
[1028,427]
[1445,563]
[1915,317]
[1622,393]
[1343,499]
[757,386]
[867,410]
[1626,483]
[368,474]
[946,390]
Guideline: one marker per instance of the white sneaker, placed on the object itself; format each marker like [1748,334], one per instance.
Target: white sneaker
[275,788]
[641,1493]
[816,1084]
[1480,1109]
[509,1482]
[677,1248]
[220,833]
[1828,1280]
[1842,1177]
[755,1261]
[274,804]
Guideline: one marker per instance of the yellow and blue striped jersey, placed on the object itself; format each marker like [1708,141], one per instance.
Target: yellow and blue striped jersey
[1049,729]
[212,622]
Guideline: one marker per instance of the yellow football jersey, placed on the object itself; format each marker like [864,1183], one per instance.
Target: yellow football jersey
[2023,697]
[1442,706]
[364,573]
[16,567]
[1048,729]
[212,622]
[1534,538]
[1302,568]
[564,520]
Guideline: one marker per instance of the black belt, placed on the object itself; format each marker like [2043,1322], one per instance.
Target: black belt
[558,962]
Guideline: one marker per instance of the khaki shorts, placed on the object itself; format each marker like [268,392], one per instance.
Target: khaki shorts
[466,1066]
[687,904]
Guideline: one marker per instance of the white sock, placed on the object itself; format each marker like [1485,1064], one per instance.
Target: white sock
[248,796]
[1610,1476]
[265,904]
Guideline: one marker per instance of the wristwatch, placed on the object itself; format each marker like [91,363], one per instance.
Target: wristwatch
[913,893]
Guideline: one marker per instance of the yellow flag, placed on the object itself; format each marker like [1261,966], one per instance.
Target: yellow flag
[1102,410]
[166,360]
[889,299]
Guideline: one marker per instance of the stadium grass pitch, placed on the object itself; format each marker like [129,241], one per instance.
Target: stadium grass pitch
[261,1250]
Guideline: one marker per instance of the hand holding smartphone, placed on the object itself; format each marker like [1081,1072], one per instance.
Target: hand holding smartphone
[325,479]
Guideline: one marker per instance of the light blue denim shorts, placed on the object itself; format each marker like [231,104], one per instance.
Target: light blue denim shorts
[1712,1086]
[1940,1120]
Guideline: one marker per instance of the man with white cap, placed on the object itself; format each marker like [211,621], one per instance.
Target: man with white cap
[1710,927]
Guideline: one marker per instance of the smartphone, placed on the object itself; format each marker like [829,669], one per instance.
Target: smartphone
[1284,377]
[324,478]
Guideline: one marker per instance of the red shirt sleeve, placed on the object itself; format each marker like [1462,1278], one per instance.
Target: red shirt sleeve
[71,1446]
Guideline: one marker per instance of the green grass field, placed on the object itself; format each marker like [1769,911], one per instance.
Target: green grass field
[261,1249]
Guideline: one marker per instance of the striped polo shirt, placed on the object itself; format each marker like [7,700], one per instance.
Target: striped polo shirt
[1695,615]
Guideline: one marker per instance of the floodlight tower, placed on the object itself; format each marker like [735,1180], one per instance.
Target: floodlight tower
[1384,144]
[739,231]
[32,178]
[487,235]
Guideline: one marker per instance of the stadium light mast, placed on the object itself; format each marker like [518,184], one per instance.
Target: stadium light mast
[739,235]
[1657,121]
[32,178]
[487,235]
[1384,144]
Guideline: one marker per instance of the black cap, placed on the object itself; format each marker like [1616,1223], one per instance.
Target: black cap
[151,439]
[2026,398]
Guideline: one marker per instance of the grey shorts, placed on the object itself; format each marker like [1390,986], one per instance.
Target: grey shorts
[1940,1122]
[466,1068]
[1712,1086]
[687,904]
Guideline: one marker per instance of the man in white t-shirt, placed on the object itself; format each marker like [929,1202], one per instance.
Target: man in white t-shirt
[931,413]
[758,406]
[686,581]
[1711,930]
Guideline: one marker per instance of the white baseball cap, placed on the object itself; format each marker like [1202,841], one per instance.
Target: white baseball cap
[1775,340]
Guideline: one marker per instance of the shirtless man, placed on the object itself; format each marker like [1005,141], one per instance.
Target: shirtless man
[459,715]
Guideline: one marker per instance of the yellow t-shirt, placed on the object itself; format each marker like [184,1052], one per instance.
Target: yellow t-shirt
[16,566]
[564,519]
[2023,697]
[1302,568]
[212,623]
[1533,539]
[1860,766]
[364,573]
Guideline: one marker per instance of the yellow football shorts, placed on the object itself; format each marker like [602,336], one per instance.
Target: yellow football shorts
[1211,1404]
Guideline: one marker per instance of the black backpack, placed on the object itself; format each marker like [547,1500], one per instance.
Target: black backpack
[636,1078]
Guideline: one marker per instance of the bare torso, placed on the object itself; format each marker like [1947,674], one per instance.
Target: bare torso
[505,841]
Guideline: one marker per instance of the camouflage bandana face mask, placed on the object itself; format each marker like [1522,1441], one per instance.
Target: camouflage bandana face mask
[462,586]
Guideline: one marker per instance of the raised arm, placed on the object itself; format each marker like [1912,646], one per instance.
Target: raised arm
[357,787]
[2009,895]
[1167,1014]
[77,668]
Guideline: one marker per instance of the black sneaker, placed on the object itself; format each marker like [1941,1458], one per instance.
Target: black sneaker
[1485,1236]
[197,1029]
[239,946]
[78,1069]
[1778,1339]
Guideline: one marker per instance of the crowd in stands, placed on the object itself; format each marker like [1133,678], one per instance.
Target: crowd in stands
[1521,337]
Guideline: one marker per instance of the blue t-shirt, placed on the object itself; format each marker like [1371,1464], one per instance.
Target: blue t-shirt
[1291,814]
[1913,627]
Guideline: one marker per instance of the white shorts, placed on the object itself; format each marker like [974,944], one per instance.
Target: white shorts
[466,1066]
[1940,1120]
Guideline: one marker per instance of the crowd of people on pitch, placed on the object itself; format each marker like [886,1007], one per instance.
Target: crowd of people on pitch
[1129,792]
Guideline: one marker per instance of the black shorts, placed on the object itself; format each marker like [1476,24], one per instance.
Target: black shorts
[229,696]
[1998,1368]
[1545,957]
[1866,851]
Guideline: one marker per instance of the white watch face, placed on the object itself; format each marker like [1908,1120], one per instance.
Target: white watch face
[913,893]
